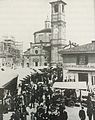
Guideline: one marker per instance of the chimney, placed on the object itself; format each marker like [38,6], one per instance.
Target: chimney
[93,41]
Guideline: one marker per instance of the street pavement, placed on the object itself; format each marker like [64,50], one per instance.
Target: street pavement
[73,113]
[7,116]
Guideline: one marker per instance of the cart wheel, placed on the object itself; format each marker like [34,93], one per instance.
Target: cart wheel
[71,103]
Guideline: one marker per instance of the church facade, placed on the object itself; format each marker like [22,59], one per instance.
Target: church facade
[48,41]
[39,52]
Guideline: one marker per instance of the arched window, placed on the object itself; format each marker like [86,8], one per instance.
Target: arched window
[36,63]
[56,8]
[62,8]
[27,64]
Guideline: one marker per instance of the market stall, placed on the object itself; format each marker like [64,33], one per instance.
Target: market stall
[70,85]
[8,87]
[72,91]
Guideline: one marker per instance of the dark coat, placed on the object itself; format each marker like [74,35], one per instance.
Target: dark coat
[63,116]
[15,116]
[82,114]
[89,111]
[53,117]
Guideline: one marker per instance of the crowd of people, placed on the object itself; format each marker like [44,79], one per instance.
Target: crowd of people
[90,109]
[37,99]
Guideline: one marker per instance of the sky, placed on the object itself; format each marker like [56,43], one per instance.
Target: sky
[21,18]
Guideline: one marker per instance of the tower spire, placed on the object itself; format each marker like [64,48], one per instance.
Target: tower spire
[47,23]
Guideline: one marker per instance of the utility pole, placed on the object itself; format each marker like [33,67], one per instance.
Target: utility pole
[94,18]
[1,103]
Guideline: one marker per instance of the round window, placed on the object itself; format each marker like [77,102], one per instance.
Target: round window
[36,51]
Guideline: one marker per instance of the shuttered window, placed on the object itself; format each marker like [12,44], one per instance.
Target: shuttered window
[82,59]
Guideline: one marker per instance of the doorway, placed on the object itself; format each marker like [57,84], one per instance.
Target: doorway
[83,77]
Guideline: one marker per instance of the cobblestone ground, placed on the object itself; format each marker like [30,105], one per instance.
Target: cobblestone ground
[72,113]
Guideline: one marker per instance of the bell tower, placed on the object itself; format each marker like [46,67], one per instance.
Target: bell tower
[58,30]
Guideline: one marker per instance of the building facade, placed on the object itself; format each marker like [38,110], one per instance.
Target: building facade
[10,53]
[48,41]
[39,52]
[79,64]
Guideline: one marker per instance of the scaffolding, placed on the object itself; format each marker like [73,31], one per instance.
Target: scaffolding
[10,51]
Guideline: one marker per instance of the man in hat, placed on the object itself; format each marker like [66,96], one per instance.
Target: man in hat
[94,113]
[63,114]
[82,113]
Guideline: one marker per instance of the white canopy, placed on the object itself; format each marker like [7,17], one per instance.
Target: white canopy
[70,85]
[40,67]
[9,74]
[6,77]
[24,72]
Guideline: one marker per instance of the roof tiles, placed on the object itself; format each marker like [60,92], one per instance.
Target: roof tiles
[86,48]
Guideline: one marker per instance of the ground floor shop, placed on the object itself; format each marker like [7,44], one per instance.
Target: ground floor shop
[80,75]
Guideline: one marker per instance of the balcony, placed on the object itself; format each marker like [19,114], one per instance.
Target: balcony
[80,67]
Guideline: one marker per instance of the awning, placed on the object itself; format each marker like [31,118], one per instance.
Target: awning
[70,85]
[6,77]
[11,85]
[40,67]
[23,73]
